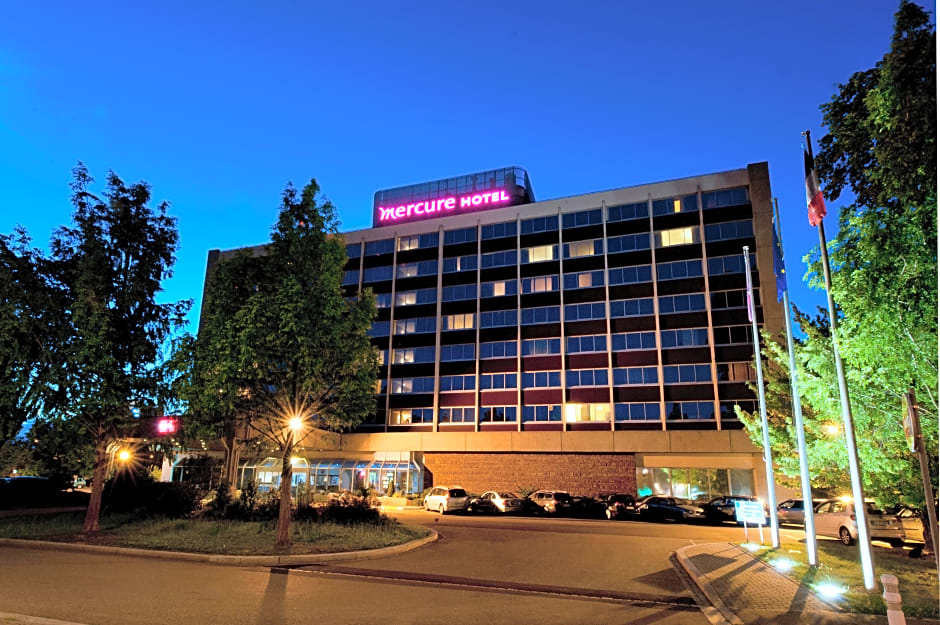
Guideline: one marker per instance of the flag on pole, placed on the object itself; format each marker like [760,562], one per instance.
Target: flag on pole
[814,196]
[780,271]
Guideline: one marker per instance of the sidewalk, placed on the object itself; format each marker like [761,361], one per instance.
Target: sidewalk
[746,591]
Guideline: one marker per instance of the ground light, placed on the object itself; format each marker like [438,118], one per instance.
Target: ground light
[751,546]
[783,564]
[830,591]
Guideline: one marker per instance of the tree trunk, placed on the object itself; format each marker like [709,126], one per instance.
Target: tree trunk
[283,516]
[99,474]
[232,455]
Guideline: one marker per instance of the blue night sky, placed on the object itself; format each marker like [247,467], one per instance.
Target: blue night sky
[217,107]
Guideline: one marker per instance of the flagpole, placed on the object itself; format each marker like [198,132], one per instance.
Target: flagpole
[768,459]
[809,520]
[855,473]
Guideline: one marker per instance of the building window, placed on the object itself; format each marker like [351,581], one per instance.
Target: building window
[631,307]
[460,263]
[541,284]
[587,412]
[404,356]
[539,253]
[423,268]
[458,383]
[498,231]
[585,377]
[543,314]
[374,248]
[541,379]
[632,340]
[681,303]
[689,410]
[695,484]
[459,292]
[351,277]
[422,296]
[450,353]
[405,386]
[732,299]
[720,265]
[497,349]
[668,206]
[541,347]
[541,413]
[732,335]
[584,344]
[584,312]
[540,224]
[727,408]
[735,372]
[500,288]
[729,230]
[686,374]
[383,300]
[628,243]
[417,241]
[407,416]
[379,328]
[584,279]
[498,259]
[353,250]
[383,356]
[626,212]
[377,274]
[456,415]
[584,218]
[497,380]
[464,235]
[677,236]
[631,275]
[462,321]
[637,411]
[497,318]
[419,325]
[496,414]
[679,269]
[686,337]
[725,197]
[635,376]
[578,249]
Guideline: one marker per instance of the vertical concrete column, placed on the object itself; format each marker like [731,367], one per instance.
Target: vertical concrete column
[519,393]
[391,331]
[659,342]
[561,317]
[476,324]
[610,347]
[437,326]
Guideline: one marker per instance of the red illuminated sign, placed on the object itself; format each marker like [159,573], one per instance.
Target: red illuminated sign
[432,208]
[167,426]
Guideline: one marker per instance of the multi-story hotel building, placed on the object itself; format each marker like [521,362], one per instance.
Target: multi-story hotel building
[593,343]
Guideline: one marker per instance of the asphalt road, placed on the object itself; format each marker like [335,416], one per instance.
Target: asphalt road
[483,570]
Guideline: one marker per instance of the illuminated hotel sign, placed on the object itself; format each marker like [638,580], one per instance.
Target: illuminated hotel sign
[433,208]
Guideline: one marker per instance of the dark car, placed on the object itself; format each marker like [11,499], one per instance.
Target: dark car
[618,505]
[587,507]
[551,501]
[662,508]
[721,509]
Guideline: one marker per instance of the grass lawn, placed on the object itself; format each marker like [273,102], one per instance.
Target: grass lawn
[841,565]
[211,536]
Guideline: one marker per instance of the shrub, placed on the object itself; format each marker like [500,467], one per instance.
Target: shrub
[221,500]
[173,500]
[139,494]
[349,512]
[28,492]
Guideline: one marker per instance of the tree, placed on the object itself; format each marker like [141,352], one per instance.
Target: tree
[31,306]
[111,263]
[280,352]
[881,146]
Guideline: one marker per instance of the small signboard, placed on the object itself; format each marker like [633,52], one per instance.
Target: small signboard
[746,511]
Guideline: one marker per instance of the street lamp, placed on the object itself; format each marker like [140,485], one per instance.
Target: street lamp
[124,455]
[296,424]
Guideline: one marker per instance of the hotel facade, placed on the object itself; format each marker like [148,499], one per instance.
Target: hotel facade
[593,343]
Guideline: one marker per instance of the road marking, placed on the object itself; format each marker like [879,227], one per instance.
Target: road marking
[693,542]
[675,603]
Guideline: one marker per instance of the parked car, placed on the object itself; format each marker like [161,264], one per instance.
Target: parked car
[661,508]
[494,501]
[587,507]
[791,510]
[721,509]
[551,501]
[618,505]
[446,499]
[836,518]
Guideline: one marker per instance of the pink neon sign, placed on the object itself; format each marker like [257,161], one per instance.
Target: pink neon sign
[424,210]
[166,426]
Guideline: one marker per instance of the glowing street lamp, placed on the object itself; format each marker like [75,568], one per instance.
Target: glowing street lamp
[832,429]
[124,455]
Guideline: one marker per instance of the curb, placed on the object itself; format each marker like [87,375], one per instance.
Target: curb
[717,613]
[7,618]
[286,560]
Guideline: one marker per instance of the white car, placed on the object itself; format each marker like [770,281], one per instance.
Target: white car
[836,518]
[445,499]
[497,501]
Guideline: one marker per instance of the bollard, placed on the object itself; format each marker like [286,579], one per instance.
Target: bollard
[893,600]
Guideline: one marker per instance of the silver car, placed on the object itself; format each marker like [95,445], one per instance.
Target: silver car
[446,499]
[836,518]
[791,510]
[495,501]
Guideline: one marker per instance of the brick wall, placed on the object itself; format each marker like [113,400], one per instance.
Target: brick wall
[579,474]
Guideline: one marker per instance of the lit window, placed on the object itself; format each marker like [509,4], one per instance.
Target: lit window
[587,412]
[406,299]
[499,289]
[540,253]
[677,236]
[408,243]
[580,248]
[457,322]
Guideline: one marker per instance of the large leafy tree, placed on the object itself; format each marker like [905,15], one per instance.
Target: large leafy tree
[111,263]
[31,309]
[880,147]
[280,352]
